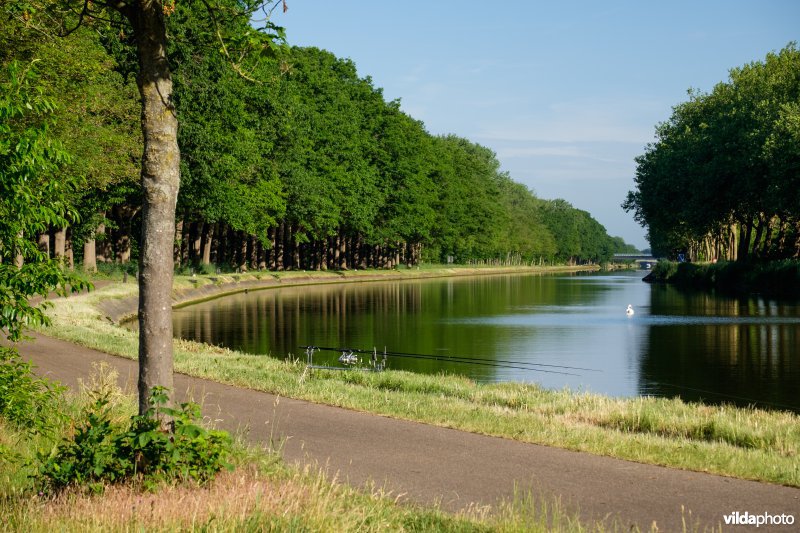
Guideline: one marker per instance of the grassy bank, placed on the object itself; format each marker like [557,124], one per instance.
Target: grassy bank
[738,442]
[260,494]
[774,278]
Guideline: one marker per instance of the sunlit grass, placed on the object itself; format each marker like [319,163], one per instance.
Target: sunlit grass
[739,442]
[261,494]
[271,498]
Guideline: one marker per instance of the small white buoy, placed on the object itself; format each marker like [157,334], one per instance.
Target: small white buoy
[629,310]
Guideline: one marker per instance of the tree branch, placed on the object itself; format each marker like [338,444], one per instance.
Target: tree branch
[84,11]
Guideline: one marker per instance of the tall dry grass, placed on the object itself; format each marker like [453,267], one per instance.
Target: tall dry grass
[263,494]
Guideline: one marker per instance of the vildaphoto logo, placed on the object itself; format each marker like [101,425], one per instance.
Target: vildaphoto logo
[758,520]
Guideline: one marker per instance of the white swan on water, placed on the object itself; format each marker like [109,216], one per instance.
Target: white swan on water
[629,310]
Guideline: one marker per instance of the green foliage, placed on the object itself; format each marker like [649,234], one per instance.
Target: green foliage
[27,402]
[95,119]
[88,459]
[33,198]
[779,279]
[325,156]
[470,216]
[115,271]
[226,134]
[189,451]
[579,237]
[723,174]
[287,139]
[663,270]
[317,150]
[102,451]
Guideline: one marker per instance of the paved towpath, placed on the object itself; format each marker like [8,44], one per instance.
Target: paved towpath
[427,464]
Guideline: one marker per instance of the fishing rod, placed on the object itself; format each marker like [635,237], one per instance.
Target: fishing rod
[751,401]
[519,365]
[481,363]
[460,358]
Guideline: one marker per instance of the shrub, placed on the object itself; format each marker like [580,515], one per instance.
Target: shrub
[663,271]
[115,271]
[28,402]
[771,278]
[206,269]
[103,452]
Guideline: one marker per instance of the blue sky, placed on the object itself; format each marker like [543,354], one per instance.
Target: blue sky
[566,93]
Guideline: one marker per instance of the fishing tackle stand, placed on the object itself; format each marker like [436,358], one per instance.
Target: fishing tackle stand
[349,359]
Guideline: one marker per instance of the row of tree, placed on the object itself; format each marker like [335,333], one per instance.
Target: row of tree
[253,154]
[722,180]
[306,167]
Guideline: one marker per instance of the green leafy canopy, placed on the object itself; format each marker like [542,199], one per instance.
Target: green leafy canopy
[32,199]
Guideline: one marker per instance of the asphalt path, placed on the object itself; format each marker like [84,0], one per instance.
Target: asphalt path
[454,469]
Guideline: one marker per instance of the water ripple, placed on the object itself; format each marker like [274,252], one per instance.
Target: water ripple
[560,320]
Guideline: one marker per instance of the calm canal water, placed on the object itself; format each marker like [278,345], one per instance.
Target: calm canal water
[693,345]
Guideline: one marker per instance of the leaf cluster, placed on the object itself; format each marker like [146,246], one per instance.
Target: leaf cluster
[101,451]
[33,198]
[28,402]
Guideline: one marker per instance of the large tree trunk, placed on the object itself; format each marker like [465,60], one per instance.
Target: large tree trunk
[19,259]
[330,243]
[288,248]
[280,262]
[769,236]
[208,238]
[160,180]
[733,243]
[272,261]
[90,255]
[342,250]
[760,223]
[69,251]
[322,250]
[295,249]
[122,241]
[103,253]
[337,251]
[60,243]
[43,242]
[196,241]
[745,234]
[780,239]
[796,239]
[241,252]
[261,255]
[183,251]
[176,246]
[252,252]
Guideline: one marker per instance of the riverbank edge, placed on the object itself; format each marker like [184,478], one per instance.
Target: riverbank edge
[746,443]
[190,290]
[774,279]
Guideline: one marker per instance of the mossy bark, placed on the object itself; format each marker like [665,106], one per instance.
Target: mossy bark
[160,179]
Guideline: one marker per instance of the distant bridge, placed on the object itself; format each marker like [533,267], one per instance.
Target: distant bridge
[642,259]
[649,257]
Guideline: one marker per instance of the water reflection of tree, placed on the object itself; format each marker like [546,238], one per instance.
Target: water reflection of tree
[735,362]
[429,317]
